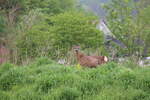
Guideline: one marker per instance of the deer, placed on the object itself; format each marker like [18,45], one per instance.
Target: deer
[88,61]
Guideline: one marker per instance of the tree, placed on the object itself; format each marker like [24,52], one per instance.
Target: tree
[51,7]
[144,15]
[11,9]
[124,23]
[58,34]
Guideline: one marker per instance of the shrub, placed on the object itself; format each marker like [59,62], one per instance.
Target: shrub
[4,96]
[68,94]
[51,7]
[5,67]
[57,34]
[43,61]
[26,93]
[11,78]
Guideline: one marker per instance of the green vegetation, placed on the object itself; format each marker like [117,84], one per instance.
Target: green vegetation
[49,28]
[58,34]
[34,28]
[128,21]
[46,80]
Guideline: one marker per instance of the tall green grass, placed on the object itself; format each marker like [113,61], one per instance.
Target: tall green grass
[46,80]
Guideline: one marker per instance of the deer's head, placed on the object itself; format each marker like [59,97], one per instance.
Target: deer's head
[76,48]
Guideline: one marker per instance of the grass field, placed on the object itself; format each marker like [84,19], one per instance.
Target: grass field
[46,80]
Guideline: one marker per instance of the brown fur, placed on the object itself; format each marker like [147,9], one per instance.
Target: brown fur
[88,61]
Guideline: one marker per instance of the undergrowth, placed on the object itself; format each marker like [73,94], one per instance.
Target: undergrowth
[44,79]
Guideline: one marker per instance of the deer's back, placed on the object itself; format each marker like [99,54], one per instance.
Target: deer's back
[88,61]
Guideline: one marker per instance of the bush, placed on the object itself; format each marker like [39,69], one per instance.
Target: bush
[5,67]
[55,36]
[4,96]
[48,82]
[43,61]
[68,94]
[26,93]
[11,78]
[52,7]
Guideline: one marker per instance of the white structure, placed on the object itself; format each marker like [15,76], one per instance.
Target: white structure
[103,27]
[108,35]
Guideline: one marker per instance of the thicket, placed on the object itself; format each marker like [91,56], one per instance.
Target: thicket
[33,28]
[44,79]
[58,34]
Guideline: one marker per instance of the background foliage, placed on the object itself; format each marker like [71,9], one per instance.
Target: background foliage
[58,34]
[126,22]
[33,28]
